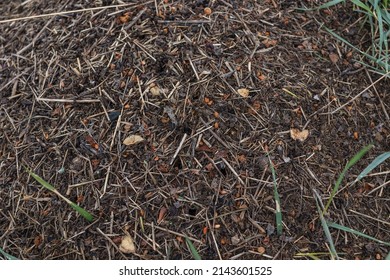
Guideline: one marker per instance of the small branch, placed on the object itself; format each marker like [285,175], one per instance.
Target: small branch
[234,171]
[358,95]
[178,148]
[68,100]
[72,12]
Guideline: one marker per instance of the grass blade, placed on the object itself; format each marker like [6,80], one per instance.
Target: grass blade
[372,58]
[377,161]
[324,6]
[193,250]
[388,256]
[355,159]
[88,216]
[8,256]
[314,256]
[41,181]
[330,4]
[325,227]
[347,229]
[278,212]
[359,155]
[362,5]
[48,186]
[381,30]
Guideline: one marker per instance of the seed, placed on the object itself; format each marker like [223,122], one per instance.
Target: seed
[207,11]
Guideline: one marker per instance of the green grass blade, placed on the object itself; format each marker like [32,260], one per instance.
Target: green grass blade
[349,44]
[278,212]
[330,4]
[193,250]
[377,161]
[359,155]
[88,216]
[381,31]
[325,227]
[362,5]
[343,228]
[375,4]
[388,256]
[41,181]
[324,6]
[355,159]
[314,256]
[48,186]
[8,256]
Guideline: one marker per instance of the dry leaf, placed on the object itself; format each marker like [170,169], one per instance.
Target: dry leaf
[38,240]
[161,214]
[124,18]
[155,90]
[334,57]
[132,140]
[127,245]
[296,134]
[243,92]
[270,43]
[163,168]
[235,240]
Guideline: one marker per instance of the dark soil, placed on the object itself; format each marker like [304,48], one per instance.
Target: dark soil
[74,86]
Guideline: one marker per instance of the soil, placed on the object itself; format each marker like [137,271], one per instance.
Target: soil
[161,119]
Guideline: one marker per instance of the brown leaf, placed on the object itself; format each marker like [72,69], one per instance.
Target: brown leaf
[124,18]
[95,163]
[205,148]
[261,76]
[161,214]
[163,168]
[38,240]
[80,198]
[270,43]
[91,142]
[296,134]
[132,140]
[57,112]
[333,57]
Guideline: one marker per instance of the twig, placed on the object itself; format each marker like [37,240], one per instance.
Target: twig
[193,67]
[174,232]
[35,38]
[68,100]
[112,242]
[380,99]
[369,217]
[178,148]
[138,44]
[360,93]
[135,19]
[184,21]
[72,12]
[216,136]
[106,181]
[234,171]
